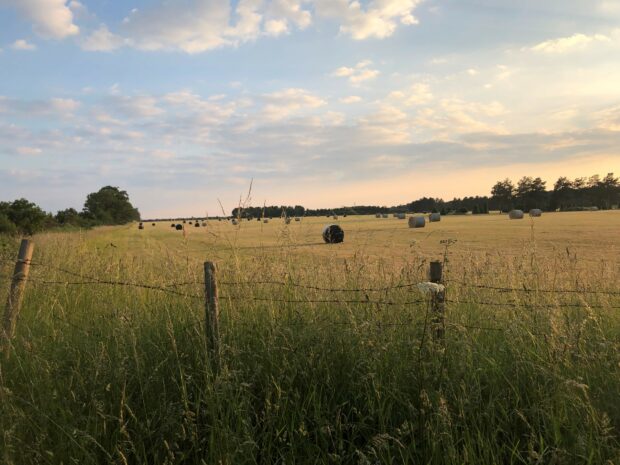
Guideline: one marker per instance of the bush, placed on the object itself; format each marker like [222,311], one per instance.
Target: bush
[6,225]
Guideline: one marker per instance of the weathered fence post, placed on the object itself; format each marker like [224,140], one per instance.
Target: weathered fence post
[438,299]
[212,308]
[16,293]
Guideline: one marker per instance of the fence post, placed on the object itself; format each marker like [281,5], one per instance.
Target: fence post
[16,293]
[438,299]
[212,308]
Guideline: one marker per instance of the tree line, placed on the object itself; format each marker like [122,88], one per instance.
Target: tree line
[566,195]
[108,206]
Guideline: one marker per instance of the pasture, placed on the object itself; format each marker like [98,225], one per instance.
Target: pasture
[329,353]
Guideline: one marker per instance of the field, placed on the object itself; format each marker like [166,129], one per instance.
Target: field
[329,353]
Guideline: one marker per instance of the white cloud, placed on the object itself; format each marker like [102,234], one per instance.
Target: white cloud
[289,101]
[276,27]
[358,74]
[29,151]
[573,43]
[350,99]
[102,40]
[50,18]
[22,44]
[378,19]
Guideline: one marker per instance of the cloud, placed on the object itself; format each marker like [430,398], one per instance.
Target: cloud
[576,42]
[22,44]
[28,151]
[102,40]
[51,19]
[350,99]
[289,101]
[378,19]
[358,74]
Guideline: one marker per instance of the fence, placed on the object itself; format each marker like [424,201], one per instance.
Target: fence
[435,302]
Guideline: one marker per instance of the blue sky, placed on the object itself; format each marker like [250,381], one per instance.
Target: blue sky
[321,102]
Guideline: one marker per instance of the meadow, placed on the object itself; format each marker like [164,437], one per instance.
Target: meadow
[329,352]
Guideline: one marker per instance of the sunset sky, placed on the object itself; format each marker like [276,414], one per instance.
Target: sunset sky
[320,102]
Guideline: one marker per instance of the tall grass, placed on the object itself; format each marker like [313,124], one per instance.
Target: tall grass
[111,374]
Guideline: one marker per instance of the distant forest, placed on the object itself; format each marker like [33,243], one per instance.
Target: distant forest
[566,195]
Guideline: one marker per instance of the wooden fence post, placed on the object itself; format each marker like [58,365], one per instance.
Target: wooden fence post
[438,300]
[16,293]
[212,308]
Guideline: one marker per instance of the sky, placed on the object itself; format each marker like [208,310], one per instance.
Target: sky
[322,103]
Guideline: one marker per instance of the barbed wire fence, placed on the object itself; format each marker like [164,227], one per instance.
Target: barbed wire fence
[433,303]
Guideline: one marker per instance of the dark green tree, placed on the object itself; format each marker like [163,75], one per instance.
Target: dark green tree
[27,217]
[503,193]
[110,205]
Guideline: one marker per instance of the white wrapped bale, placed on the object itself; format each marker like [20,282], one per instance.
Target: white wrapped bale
[515,214]
[417,222]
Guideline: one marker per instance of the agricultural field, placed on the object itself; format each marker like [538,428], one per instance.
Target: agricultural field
[328,353]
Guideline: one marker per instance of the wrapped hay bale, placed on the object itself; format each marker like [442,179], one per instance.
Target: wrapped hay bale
[433,217]
[179,227]
[377,215]
[515,214]
[333,234]
[535,212]
[417,222]
[401,216]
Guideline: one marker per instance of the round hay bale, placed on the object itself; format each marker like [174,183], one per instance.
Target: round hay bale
[287,220]
[297,219]
[433,217]
[515,214]
[184,221]
[204,225]
[417,222]
[377,215]
[266,220]
[197,224]
[140,226]
[235,222]
[335,217]
[172,225]
[401,216]
[333,234]
[535,212]
[179,227]
[385,215]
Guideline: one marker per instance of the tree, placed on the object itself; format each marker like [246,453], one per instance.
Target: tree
[6,225]
[110,206]
[610,190]
[531,192]
[27,217]
[503,192]
[70,216]
[562,196]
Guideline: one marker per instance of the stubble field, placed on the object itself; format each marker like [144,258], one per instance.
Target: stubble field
[328,353]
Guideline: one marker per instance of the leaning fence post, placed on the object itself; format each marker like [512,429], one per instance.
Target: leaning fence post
[16,293]
[438,299]
[212,308]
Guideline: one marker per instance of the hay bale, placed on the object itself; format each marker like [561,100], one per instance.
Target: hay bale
[172,225]
[140,226]
[535,212]
[515,214]
[335,217]
[377,215]
[385,215]
[266,220]
[333,234]
[434,217]
[401,216]
[297,218]
[417,222]
[179,227]
[197,225]
[204,225]
[235,222]
[287,220]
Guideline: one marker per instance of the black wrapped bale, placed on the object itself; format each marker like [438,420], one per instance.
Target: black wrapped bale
[197,224]
[173,225]
[179,227]
[333,234]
